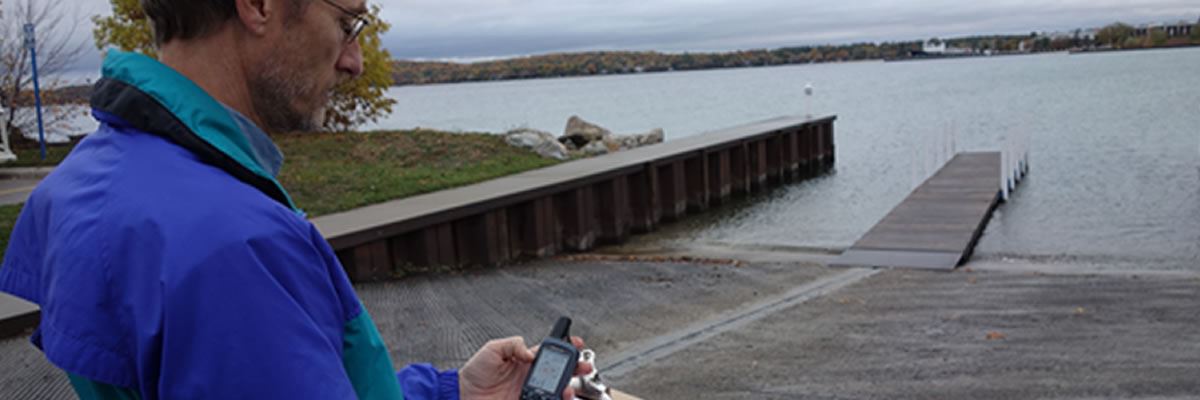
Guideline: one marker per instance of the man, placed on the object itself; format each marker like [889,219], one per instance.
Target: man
[168,261]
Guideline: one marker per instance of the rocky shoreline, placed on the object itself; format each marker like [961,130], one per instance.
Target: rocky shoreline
[580,139]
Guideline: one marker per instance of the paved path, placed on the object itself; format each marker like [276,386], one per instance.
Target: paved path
[929,335]
[769,329]
[17,182]
[15,191]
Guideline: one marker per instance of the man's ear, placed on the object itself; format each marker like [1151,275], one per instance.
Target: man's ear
[256,15]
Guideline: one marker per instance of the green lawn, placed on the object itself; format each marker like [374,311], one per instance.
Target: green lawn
[327,173]
[331,172]
[32,156]
[8,218]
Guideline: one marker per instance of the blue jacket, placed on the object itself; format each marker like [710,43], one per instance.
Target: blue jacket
[170,264]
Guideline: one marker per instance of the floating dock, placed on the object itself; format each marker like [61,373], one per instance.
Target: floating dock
[938,225]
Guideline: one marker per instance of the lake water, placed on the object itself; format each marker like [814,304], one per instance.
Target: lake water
[60,122]
[1114,144]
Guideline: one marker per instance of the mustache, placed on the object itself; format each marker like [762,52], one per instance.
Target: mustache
[341,81]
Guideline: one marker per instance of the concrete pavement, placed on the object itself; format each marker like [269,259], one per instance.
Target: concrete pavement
[17,182]
[923,335]
[15,191]
[991,334]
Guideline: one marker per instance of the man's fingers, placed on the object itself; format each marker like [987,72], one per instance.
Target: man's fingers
[513,347]
[578,342]
[584,368]
[569,393]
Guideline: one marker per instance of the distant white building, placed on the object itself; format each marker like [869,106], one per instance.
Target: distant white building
[934,46]
[939,47]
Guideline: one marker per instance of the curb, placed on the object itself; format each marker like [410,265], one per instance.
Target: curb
[20,324]
[17,316]
[30,173]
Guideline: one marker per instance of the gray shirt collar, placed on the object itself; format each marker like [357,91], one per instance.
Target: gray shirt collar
[264,151]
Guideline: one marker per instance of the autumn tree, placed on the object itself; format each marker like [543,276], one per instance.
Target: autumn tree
[354,102]
[127,29]
[1157,37]
[1114,35]
[363,100]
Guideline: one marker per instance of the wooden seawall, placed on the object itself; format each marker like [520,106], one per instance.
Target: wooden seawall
[576,205]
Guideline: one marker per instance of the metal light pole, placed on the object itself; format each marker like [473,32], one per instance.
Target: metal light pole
[37,92]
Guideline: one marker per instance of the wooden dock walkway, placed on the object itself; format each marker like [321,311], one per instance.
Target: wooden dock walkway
[938,225]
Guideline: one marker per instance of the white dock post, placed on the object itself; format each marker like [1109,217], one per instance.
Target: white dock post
[1003,174]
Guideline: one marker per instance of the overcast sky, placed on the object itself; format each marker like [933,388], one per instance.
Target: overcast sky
[481,29]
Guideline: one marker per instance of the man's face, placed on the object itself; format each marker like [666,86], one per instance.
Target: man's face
[306,57]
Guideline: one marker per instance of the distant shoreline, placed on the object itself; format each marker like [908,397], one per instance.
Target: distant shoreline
[1113,50]
[960,56]
[80,94]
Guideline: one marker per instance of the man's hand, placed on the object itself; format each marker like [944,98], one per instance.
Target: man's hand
[498,370]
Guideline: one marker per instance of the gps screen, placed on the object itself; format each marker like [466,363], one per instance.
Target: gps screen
[549,369]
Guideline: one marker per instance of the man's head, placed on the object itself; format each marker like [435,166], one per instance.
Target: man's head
[291,53]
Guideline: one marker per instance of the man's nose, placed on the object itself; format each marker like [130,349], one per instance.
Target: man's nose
[351,60]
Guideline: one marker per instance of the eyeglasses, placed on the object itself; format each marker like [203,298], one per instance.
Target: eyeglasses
[355,28]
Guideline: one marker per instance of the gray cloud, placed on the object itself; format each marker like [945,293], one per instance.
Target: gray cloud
[469,29]
[482,28]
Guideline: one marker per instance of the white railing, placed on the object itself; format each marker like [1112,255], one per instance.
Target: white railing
[1014,162]
[931,150]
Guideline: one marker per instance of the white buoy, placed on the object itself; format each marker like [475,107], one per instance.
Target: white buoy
[808,92]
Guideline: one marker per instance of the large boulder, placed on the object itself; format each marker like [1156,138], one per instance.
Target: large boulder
[621,143]
[653,137]
[595,149]
[627,142]
[580,133]
[542,143]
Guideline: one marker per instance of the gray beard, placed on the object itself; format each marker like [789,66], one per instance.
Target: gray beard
[272,92]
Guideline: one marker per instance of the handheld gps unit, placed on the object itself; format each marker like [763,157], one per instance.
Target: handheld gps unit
[554,365]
